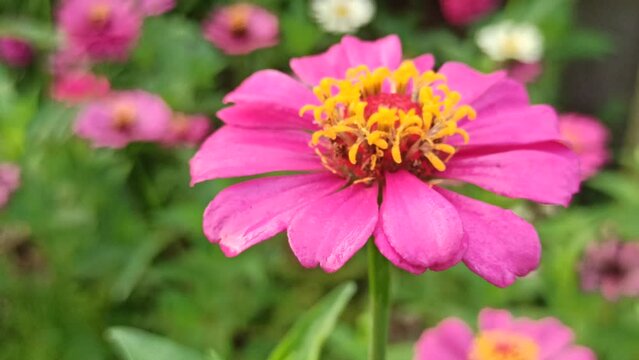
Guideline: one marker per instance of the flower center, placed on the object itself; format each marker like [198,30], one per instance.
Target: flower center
[238,16]
[99,14]
[377,121]
[501,345]
[342,11]
[124,116]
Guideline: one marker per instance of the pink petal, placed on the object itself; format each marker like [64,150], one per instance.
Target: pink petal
[271,87]
[245,214]
[330,230]
[349,53]
[512,126]
[393,256]
[493,319]
[424,62]
[262,116]
[544,172]
[550,334]
[452,339]
[470,83]
[233,151]
[501,245]
[575,353]
[504,94]
[419,223]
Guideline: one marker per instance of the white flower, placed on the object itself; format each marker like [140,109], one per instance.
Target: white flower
[343,16]
[511,41]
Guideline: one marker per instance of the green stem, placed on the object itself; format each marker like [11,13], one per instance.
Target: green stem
[379,289]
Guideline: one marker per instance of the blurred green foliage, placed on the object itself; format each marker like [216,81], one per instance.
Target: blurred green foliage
[103,239]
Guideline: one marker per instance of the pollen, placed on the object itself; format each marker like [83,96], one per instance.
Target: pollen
[373,121]
[502,345]
[124,116]
[99,14]
[238,19]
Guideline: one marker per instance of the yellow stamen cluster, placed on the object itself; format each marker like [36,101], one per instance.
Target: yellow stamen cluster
[124,116]
[379,119]
[238,18]
[501,345]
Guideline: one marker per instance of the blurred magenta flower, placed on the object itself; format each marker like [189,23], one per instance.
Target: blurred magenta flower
[187,130]
[122,118]
[15,52]
[462,12]
[77,87]
[588,138]
[241,28]
[342,16]
[9,182]
[525,72]
[103,29]
[154,7]
[612,268]
[375,123]
[501,337]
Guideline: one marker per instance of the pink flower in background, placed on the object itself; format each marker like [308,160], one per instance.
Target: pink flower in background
[525,72]
[241,28]
[122,118]
[187,130]
[372,126]
[154,7]
[77,87]
[588,138]
[15,52]
[103,29]
[612,268]
[501,337]
[463,12]
[9,182]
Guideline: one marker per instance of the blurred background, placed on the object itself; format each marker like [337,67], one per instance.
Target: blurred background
[98,239]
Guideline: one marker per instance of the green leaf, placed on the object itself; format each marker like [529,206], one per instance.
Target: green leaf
[136,344]
[305,339]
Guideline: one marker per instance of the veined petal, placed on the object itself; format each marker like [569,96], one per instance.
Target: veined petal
[265,116]
[271,87]
[424,62]
[330,230]
[470,83]
[233,151]
[245,214]
[544,172]
[501,245]
[452,339]
[575,353]
[384,247]
[350,52]
[511,126]
[419,223]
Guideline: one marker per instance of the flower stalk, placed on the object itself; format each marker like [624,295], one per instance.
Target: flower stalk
[379,289]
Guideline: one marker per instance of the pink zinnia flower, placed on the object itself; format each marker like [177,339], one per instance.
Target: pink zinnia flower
[154,7]
[187,130]
[9,182]
[525,72]
[462,12]
[611,267]
[588,138]
[122,118]
[241,28]
[15,52]
[103,29]
[77,87]
[501,337]
[375,138]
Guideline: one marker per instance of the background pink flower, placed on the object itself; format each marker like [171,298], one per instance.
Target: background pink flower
[501,337]
[9,182]
[329,216]
[154,7]
[103,29]
[77,87]
[15,51]
[187,130]
[588,138]
[462,12]
[611,267]
[122,118]
[241,28]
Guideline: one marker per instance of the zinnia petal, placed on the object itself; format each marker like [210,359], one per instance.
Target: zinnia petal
[546,172]
[501,245]
[233,151]
[450,340]
[330,230]
[391,254]
[245,214]
[419,223]
[469,82]
[575,353]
